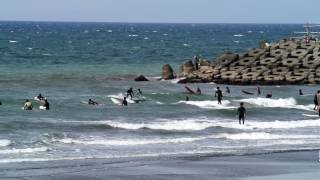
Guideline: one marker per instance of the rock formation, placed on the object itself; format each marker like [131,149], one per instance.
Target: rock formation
[167,72]
[291,61]
[141,78]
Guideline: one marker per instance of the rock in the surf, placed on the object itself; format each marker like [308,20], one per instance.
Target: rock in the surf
[167,72]
[288,61]
[141,78]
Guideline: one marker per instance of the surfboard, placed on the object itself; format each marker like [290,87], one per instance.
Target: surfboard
[42,108]
[116,101]
[247,92]
[311,115]
[84,102]
[189,90]
[37,99]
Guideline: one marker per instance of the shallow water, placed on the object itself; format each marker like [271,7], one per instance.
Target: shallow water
[72,62]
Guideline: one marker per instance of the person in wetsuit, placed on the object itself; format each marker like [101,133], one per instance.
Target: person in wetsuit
[27,105]
[218,95]
[258,91]
[124,102]
[46,104]
[140,92]
[318,101]
[269,95]
[315,100]
[300,92]
[130,92]
[91,102]
[187,98]
[241,113]
[227,90]
[198,91]
[40,97]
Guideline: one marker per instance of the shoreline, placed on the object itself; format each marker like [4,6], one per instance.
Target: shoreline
[263,166]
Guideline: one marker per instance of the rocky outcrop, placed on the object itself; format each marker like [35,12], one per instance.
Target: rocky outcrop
[167,72]
[141,78]
[291,61]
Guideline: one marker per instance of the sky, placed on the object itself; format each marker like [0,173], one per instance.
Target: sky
[164,11]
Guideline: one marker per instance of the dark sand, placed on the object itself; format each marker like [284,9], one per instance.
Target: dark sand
[287,165]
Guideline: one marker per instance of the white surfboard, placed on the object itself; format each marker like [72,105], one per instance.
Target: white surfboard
[311,115]
[116,101]
[42,108]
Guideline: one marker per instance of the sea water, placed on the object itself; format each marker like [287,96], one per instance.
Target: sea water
[72,62]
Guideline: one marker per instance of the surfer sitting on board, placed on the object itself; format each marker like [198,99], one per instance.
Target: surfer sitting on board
[27,105]
[91,102]
[124,102]
[241,113]
[218,95]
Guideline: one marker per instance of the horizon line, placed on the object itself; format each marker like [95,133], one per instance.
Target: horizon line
[148,22]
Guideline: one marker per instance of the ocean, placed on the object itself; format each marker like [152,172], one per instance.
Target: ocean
[72,62]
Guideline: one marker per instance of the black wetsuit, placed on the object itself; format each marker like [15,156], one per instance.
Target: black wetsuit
[228,90]
[269,96]
[315,101]
[130,93]
[124,103]
[241,113]
[219,95]
[47,105]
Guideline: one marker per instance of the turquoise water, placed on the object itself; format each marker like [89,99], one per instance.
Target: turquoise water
[72,62]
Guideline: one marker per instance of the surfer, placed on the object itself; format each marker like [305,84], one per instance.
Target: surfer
[91,102]
[40,97]
[27,105]
[139,92]
[269,95]
[228,90]
[300,92]
[130,92]
[196,62]
[241,113]
[46,104]
[198,91]
[0,103]
[187,98]
[318,102]
[315,100]
[258,91]
[124,102]
[218,94]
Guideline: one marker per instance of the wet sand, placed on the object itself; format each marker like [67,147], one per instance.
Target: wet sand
[286,165]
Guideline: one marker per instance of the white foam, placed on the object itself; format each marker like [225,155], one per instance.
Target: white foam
[209,104]
[21,151]
[129,142]
[146,38]
[289,103]
[4,142]
[238,35]
[182,125]
[266,136]
[12,41]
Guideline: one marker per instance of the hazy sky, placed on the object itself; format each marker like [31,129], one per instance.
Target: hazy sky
[192,11]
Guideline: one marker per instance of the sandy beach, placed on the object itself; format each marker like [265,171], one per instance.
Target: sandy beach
[286,165]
